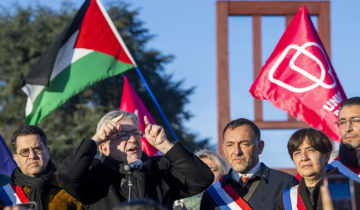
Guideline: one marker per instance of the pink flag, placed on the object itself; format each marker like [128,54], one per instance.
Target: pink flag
[299,79]
[130,102]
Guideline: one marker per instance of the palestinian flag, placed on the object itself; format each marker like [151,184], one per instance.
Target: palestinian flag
[89,50]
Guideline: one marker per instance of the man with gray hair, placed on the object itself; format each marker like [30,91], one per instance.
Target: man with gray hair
[104,183]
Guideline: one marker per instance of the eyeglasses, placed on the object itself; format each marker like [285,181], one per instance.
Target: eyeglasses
[353,122]
[26,151]
[124,135]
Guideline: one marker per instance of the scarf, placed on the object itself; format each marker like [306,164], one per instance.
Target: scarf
[36,184]
[349,156]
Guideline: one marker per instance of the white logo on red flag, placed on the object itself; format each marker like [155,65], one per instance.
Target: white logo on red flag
[299,79]
[301,50]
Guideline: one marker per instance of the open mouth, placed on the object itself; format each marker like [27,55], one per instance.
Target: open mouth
[132,149]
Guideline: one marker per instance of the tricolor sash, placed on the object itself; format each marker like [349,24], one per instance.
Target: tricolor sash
[226,197]
[346,170]
[292,199]
[11,194]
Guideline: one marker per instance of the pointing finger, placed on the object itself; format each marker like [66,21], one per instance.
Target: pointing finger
[155,130]
[146,120]
[148,126]
[118,118]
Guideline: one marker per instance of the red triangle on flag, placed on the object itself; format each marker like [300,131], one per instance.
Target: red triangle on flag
[130,102]
[299,78]
[98,33]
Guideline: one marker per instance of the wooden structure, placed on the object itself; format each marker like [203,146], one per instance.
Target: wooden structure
[256,9]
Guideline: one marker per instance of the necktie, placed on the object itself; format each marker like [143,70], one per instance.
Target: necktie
[244,179]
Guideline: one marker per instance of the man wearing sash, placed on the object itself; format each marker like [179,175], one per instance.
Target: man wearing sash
[348,161]
[35,174]
[249,183]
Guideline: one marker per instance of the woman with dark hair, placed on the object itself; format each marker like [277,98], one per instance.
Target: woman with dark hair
[310,151]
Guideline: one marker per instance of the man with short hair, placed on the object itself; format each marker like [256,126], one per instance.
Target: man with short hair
[36,173]
[249,183]
[348,160]
[104,183]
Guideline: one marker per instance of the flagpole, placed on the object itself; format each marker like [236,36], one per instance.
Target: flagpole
[156,103]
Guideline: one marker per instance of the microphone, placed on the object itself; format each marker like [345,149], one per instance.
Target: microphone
[136,165]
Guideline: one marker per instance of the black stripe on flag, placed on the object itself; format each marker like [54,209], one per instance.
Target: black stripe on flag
[40,73]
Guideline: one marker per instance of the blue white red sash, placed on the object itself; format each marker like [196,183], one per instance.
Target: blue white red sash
[292,199]
[351,172]
[11,194]
[226,197]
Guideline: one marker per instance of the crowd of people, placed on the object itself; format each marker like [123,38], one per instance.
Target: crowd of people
[110,171]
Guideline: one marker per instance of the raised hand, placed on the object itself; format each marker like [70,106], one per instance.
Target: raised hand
[155,135]
[107,130]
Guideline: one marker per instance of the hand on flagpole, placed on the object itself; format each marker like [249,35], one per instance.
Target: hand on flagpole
[107,130]
[155,135]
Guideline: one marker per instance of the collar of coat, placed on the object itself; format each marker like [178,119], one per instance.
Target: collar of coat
[262,173]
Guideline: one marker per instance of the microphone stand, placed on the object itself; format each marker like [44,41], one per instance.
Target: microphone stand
[129,168]
[130,184]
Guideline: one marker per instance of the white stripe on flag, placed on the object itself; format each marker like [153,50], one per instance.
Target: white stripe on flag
[65,57]
[32,91]
[68,55]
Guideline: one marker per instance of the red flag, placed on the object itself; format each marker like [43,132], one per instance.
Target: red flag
[130,102]
[299,79]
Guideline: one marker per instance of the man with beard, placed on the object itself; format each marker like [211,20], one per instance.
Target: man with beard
[249,183]
[104,183]
[348,161]
[36,173]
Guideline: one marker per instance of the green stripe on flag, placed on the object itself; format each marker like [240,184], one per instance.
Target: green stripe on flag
[84,72]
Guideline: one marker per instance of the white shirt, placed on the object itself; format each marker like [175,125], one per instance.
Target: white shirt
[236,176]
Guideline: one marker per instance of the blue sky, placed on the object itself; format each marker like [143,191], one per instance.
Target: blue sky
[186,29]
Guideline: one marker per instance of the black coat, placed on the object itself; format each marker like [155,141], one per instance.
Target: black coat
[349,157]
[272,184]
[103,183]
[310,201]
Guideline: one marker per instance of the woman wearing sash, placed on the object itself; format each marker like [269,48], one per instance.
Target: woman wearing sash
[310,151]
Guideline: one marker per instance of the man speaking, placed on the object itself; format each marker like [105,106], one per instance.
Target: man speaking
[103,183]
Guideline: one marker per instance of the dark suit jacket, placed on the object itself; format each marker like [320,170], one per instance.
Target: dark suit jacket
[349,157]
[272,184]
